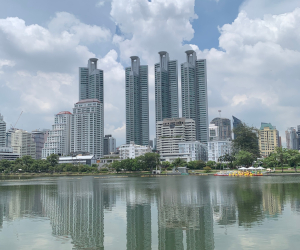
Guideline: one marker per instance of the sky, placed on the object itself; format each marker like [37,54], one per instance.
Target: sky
[252,49]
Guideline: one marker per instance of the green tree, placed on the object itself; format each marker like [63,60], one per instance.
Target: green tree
[244,158]
[211,164]
[227,158]
[281,156]
[293,158]
[179,162]
[246,140]
[151,160]
[53,160]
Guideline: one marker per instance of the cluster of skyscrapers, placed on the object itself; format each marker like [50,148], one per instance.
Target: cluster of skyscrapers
[194,103]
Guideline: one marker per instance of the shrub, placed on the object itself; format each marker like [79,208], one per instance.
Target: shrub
[207,169]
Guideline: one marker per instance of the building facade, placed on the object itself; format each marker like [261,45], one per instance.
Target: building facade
[7,153]
[131,151]
[137,103]
[23,144]
[166,87]
[87,129]
[91,81]
[217,149]
[109,145]
[194,94]
[39,137]
[2,132]
[291,138]
[236,122]
[213,132]
[59,137]
[268,139]
[224,126]
[170,132]
[194,149]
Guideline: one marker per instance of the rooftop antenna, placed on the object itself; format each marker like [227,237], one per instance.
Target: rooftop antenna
[219,113]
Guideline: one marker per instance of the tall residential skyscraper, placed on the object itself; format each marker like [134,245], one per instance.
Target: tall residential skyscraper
[224,125]
[87,129]
[39,137]
[23,144]
[59,137]
[2,132]
[91,81]
[194,93]
[137,103]
[166,87]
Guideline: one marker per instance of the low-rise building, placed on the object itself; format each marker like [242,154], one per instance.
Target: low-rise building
[217,149]
[195,149]
[172,132]
[78,160]
[131,151]
[7,153]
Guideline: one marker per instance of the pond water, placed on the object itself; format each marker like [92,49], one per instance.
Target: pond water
[169,212]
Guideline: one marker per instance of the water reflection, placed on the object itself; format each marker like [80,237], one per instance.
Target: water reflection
[186,210]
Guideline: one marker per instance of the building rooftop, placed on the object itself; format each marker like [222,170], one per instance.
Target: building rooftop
[88,100]
[266,125]
[78,157]
[64,113]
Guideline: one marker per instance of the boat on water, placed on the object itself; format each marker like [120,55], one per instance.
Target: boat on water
[238,173]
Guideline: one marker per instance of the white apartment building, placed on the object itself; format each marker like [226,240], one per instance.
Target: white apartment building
[172,131]
[213,132]
[195,150]
[87,129]
[131,151]
[217,149]
[2,132]
[23,144]
[58,140]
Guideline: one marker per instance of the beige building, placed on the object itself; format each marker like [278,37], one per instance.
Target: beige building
[23,144]
[268,139]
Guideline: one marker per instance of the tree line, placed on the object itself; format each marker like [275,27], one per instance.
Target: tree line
[27,164]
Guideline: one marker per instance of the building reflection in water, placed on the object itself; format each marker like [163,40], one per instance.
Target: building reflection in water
[186,212]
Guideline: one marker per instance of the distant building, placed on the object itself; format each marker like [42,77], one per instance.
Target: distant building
[224,126]
[166,87]
[137,103]
[151,143]
[236,123]
[194,93]
[87,129]
[268,139]
[23,144]
[131,151]
[109,145]
[7,153]
[78,160]
[291,138]
[172,132]
[194,150]
[39,137]
[2,132]
[213,132]
[8,136]
[298,134]
[59,137]
[217,149]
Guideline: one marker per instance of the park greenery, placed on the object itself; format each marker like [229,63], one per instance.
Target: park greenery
[27,164]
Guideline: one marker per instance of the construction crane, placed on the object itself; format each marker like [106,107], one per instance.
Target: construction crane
[17,121]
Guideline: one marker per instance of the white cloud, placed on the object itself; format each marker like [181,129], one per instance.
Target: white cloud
[255,75]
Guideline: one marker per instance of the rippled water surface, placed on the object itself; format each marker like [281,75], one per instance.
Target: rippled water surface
[178,212]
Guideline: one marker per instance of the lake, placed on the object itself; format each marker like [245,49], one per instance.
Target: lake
[167,212]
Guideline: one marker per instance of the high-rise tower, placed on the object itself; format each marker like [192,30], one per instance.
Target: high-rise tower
[2,132]
[166,87]
[137,103]
[91,81]
[194,93]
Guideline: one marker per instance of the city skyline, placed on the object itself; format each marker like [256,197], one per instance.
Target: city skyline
[40,75]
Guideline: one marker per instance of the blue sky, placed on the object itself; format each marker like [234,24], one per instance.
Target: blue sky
[252,49]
